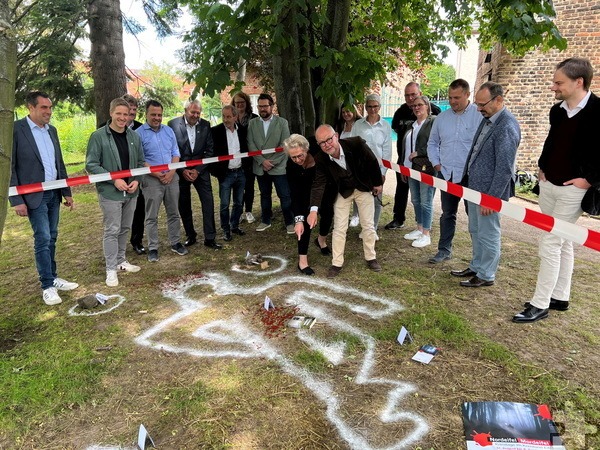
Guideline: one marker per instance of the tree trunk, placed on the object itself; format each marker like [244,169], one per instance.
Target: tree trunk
[107,56]
[335,34]
[286,75]
[241,72]
[8,54]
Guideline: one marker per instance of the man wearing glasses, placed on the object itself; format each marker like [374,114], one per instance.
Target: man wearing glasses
[351,166]
[265,132]
[401,123]
[490,169]
[448,146]
[377,133]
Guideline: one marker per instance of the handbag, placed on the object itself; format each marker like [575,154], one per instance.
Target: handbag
[421,163]
[590,203]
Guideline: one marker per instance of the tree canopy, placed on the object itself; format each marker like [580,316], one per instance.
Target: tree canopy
[324,53]
[437,79]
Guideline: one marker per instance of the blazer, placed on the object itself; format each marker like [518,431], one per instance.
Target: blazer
[278,132]
[586,155]
[359,159]
[492,169]
[219,136]
[203,148]
[27,166]
[422,138]
[102,156]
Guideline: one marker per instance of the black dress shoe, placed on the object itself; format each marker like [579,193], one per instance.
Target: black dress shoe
[557,305]
[394,225]
[324,250]
[190,241]
[238,231]
[463,273]
[476,282]
[227,236]
[212,244]
[307,270]
[139,249]
[531,314]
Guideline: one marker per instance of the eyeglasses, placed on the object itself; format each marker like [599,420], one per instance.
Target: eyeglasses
[372,106]
[327,141]
[482,105]
[263,106]
[418,105]
[242,102]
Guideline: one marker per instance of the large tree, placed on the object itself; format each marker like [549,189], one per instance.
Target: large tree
[8,56]
[326,52]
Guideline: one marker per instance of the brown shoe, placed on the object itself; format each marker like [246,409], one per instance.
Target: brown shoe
[333,271]
[374,265]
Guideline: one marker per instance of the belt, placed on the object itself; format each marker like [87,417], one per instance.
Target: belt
[234,170]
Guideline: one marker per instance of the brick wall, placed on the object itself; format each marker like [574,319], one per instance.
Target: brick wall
[528,79]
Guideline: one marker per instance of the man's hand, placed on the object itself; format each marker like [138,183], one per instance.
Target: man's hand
[168,177]
[377,190]
[190,175]
[21,210]
[121,184]
[132,187]
[541,175]
[267,165]
[69,203]
[312,219]
[486,211]
[581,183]
[299,229]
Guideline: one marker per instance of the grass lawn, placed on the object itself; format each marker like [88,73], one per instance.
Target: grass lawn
[190,355]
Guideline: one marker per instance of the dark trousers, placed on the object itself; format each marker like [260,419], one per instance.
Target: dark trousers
[400,199]
[139,216]
[204,189]
[326,209]
[447,221]
[249,189]
[265,184]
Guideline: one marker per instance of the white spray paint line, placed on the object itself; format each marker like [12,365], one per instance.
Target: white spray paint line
[86,312]
[262,273]
[247,344]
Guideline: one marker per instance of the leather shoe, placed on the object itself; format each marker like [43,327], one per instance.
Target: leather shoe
[439,257]
[307,270]
[463,273]
[394,225]
[227,236]
[557,305]
[324,250]
[374,265]
[139,249]
[190,241]
[210,243]
[333,271]
[238,231]
[531,314]
[476,282]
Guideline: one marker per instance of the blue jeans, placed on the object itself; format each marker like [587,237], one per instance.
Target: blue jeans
[447,220]
[485,237]
[235,181]
[421,196]
[44,222]
[265,184]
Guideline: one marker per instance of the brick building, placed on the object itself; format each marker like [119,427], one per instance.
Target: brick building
[528,79]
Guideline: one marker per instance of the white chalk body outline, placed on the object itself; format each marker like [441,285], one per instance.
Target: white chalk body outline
[245,343]
[92,312]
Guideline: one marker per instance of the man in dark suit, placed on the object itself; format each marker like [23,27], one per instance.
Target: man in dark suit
[230,139]
[352,167]
[195,142]
[401,123]
[569,165]
[490,169]
[36,158]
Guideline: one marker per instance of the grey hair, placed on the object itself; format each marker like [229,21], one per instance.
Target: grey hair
[373,98]
[189,103]
[230,108]
[295,141]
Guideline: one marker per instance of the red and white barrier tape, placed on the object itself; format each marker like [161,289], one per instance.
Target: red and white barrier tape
[581,235]
[576,233]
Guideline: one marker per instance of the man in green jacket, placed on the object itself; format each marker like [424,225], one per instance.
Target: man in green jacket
[111,148]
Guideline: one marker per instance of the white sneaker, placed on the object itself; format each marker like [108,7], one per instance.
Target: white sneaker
[64,285]
[51,297]
[354,221]
[112,279]
[126,266]
[416,234]
[423,241]
[249,217]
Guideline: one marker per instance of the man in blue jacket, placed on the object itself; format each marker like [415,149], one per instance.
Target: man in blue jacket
[489,169]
